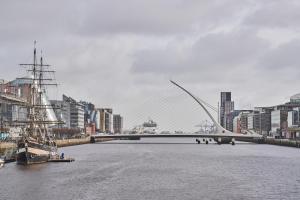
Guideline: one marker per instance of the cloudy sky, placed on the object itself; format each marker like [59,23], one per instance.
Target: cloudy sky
[121,54]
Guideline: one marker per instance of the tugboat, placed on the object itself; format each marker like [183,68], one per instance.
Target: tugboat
[36,144]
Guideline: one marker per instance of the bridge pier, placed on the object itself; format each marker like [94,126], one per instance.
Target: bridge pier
[219,140]
[225,140]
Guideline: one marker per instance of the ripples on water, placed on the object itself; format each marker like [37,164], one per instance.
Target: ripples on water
[157,169]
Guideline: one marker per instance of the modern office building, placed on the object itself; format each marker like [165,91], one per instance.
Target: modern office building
[294,117]
[229,119]
[106,120]
[259,122]
[253,121]
[226,106]
[117,123]
[279,123]
[70,111]
[294,123]
[240,122]
[264,123]
[76,115]
[295,98]
[236,125]
[89,112]
[97,119]
[62,112]
[244,121]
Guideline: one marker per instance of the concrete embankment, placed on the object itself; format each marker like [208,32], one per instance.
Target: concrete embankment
[72,142]
[283,142]
[273,141]
[60,143]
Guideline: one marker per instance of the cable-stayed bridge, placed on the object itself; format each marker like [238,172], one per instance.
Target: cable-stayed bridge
[220,135]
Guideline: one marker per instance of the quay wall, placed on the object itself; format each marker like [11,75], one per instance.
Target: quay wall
[6,145]
[283,142]
[60,143]
[72,142]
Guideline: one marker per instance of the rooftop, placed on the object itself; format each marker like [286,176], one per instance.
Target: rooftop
[295,98]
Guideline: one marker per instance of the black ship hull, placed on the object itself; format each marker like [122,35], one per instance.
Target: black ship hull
[26,158]
[29,156]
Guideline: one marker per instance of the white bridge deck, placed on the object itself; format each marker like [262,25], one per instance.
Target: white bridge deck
[238,137]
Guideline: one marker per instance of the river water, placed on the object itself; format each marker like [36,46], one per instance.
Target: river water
[159,169]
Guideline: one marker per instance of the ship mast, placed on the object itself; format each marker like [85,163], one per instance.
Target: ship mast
[32,114]
[37,114]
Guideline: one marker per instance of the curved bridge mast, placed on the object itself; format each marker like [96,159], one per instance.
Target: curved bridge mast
[220,129]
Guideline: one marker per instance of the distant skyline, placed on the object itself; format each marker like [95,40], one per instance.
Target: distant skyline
[121,54]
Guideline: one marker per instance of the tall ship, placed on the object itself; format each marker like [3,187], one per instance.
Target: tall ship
[36,144]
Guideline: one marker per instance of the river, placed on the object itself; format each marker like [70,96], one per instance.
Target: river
[162,168]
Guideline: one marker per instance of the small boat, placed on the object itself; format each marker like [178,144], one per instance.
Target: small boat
[1,163]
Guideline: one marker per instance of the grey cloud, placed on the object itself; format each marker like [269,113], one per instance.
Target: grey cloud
[22,20]
[213,55]
[157,17]
[284,57]
[122,53]
[141,17]
[276,14]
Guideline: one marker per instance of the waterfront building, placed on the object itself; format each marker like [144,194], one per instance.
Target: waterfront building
[226,106]
[97,119]
[293,117]
[264,123]
[259,122]
[294,123]
[253,121]
[91,118]
[62,112]
[236,124]
[240,122]
[117,123]
[69,111]
[279,117]
[279,123]
[90,128]
[229,119]
[295,99]
[89,112]
[76,114]
[244,121]
[237,120]
[19,88]
[106,120]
